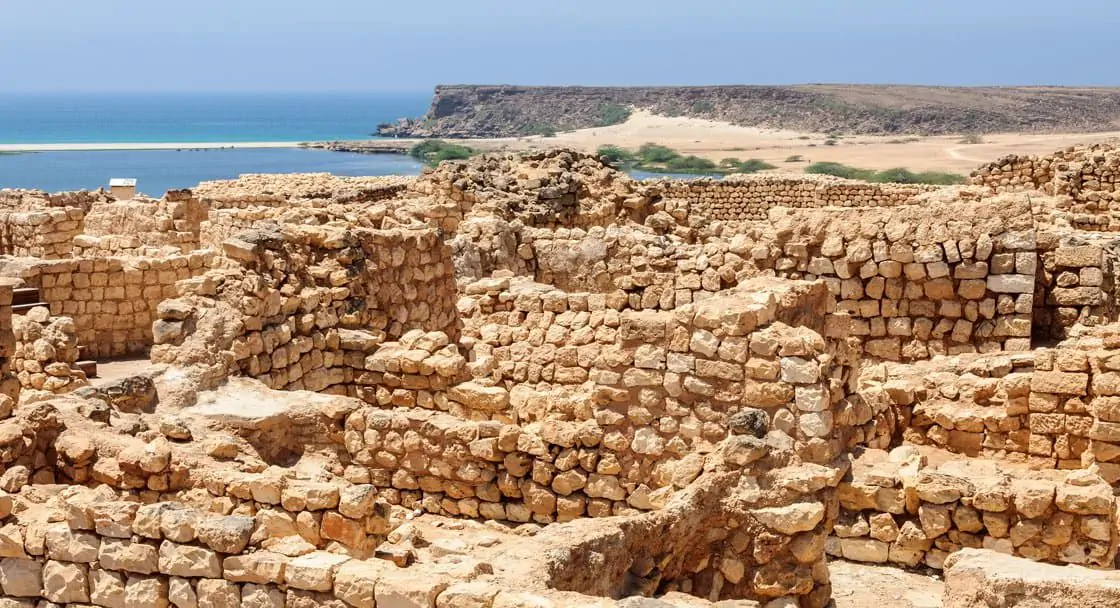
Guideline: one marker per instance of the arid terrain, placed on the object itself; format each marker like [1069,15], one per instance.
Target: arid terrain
[789,151]
[716,141]
[471,111]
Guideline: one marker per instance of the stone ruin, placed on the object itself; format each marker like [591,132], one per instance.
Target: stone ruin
[530,381]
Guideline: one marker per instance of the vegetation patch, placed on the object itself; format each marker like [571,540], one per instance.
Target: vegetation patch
[613,114]
[701,106]
[897,175]
[796,158]
[972,139]
[435,151]
[655,158]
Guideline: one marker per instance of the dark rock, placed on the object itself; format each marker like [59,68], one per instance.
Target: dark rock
[750,421]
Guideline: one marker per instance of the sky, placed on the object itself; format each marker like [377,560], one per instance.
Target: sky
[373,45]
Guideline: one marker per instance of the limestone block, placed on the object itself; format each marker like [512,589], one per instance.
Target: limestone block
[229,534]
[218,594]
[65,583]
[128,556]
[261,567]
[188,561]
[791,519]
[1011,283]
[314,571]
[21,577]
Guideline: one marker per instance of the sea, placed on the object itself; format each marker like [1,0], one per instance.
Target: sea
[193,118]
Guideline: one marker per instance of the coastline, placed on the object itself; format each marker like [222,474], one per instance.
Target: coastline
[102,147]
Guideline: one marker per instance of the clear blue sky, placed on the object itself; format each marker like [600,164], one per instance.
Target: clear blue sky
[374,45]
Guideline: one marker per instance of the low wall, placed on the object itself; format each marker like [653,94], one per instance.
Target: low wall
[42,233]
[751,197]
[142,227]
[299,189]
[285,296]
[896,510]
[1075,287]
[111,300]
[45,355]
[9,385]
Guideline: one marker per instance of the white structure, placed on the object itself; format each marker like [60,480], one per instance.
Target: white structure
[122,189]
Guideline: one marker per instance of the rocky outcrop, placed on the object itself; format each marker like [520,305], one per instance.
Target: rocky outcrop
[460,111]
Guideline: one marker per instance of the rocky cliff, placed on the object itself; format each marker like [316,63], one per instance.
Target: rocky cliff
[510,111]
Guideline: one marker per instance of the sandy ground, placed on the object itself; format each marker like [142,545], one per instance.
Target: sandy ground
[867,586]
[145,146]
[116,369]
[716,141]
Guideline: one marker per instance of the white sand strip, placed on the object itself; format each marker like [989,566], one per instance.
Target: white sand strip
[145,146]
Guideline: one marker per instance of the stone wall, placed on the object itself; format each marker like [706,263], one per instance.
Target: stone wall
[751,197]
[9,385]
[283,296]
[111,300]
[143,227]
[898,510]
[28,200]
[1075,287]
[42,233]
[45,355]
[292,190]
[1049,409]
[913,281]
[1084,178]
[276,541]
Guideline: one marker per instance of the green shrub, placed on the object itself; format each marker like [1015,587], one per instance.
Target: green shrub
[974,138]
[653,153]
[613,114]
[804,137]
[702,107]
[938,178]
[672,111]
[830,142]
[434,151]
[796,158]
[754,165]
[614,155]
[688,164]
[897,175]
[840,170]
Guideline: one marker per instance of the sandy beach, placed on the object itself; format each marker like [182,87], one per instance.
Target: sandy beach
[145,146]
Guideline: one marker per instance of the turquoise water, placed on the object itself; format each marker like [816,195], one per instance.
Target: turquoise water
[65,119]
[153,118]
[193,118]
[158,171]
